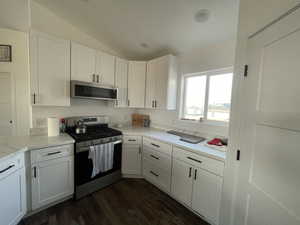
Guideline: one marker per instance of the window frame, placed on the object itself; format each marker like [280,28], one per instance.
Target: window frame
[208,74]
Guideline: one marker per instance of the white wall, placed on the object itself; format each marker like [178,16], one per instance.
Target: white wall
[14,14]
[42,19]
[46,21]
[213,57]
[254,14]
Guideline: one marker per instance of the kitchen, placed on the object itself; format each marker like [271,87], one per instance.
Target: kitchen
[110,123]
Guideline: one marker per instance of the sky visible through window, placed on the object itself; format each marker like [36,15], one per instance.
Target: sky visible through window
[219,97]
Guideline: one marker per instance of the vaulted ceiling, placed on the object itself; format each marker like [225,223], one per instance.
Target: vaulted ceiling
[142,29]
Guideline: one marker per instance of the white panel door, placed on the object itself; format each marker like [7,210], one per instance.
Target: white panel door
[269,184]
[50,62]
[83,63]
[121,82]
[136,84]
[131,159]
[182,181]
[52,180]
[7,104]
[207,190]
[105,68]
[12,192]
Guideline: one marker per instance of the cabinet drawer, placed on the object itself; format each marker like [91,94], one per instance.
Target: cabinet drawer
[11,164]
[158,159]
[130,139]
[157,176]
[208,164]
[158,145]
[51,153]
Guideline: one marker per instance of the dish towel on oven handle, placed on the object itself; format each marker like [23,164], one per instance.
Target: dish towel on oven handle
[102,157]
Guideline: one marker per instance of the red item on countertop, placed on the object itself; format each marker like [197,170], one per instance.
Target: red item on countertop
[215,141]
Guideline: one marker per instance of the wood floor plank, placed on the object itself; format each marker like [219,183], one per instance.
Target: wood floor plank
[128,202]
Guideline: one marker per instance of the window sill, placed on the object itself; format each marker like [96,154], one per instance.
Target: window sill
[205,122]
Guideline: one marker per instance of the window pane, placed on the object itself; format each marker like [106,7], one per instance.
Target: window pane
[219,97]
[194,97]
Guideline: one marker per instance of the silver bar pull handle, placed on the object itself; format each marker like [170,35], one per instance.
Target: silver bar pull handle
[4,170]
[54,153]
[34,172]
[155,145]
[154,173]
[196,160]
[154,157]
[190,172]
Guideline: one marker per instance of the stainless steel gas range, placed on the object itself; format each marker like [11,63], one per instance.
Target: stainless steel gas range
[98,153]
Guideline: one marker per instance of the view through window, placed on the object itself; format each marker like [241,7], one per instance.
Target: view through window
[207,96]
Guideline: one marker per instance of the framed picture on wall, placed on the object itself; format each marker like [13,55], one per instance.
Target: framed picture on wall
[5,53]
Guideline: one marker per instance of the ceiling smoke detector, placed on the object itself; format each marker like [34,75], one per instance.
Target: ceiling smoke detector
[144,45]
[202,15]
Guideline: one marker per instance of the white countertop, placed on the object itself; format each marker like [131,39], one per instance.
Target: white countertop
[163,136]
[16,144]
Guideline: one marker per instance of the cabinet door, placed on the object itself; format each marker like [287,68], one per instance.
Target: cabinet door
[131,159]
[83,63]
[207,194]
[50,72]
[136,84]
[52,180]
[161,82]
[182,182]
[150,84]
[105,68]
[121,80]
[12,197]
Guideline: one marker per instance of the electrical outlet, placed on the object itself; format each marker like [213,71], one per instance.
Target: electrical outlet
[40,122]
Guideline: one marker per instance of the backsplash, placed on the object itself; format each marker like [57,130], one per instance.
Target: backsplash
[81,107]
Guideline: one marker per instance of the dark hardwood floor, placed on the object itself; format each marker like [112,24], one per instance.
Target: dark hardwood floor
[128,202]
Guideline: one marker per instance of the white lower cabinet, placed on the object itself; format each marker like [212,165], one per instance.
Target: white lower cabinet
[132,156]
[182,182]
[197,183]
[12,190]
[131,160]
[52,175]
[157,163]
[207,189]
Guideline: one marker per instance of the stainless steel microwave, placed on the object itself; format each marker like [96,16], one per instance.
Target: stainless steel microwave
[88,90]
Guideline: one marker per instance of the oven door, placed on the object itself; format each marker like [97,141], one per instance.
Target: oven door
[84,165]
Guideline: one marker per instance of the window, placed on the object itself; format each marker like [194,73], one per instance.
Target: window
[207,96]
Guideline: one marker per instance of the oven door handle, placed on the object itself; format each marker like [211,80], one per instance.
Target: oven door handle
[117,142]
[87,148]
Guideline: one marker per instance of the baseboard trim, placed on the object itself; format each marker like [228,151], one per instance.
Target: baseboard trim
[132,176]
[32,212]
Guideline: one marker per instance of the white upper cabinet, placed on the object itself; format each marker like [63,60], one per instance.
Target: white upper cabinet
[121,82]
[136,84]
[83,63]
[50,70]
[161,83]
[105,68]
[90,65]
